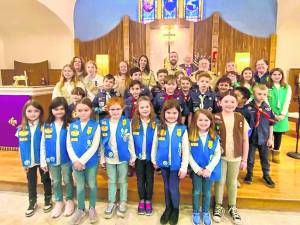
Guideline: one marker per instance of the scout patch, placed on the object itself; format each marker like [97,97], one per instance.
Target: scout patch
[104,128]
[210,144]
[136,133]
[48,130]
[178,132]
[124,122]
[23,133]
[74,139]
[48,136]
[23,139]
[194,144]
[153,125]
[74,114]
[161,138]
[104,122]
[89,130]
[75,133]
[163,132]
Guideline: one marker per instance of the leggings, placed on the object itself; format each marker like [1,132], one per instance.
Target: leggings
[277,140]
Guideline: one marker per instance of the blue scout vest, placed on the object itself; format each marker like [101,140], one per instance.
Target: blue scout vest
[203,155]
[82,140]
[25,145]
[50,144]
[138,137]
[122,138]
[164,140]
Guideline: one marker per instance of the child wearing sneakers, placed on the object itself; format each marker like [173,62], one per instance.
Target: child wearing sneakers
[205,162]
[170,152]
[29,134]
[261,123]
[117,151]
[143,126]
[82,145]
[230,124]
[54,156]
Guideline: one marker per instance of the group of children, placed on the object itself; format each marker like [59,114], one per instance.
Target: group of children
[170,127]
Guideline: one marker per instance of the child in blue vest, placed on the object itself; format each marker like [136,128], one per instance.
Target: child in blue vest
[83,140]
[117,151]
[170,152]
[76,95]
[205,162]
[29,134]
[143,126]
[54,154]
[104,94]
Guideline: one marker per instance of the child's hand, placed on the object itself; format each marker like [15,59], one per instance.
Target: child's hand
[78,165]
[181,174]
[103,165]
[45,169]
[105,109]
[243,165]
[132,163]
[200,172]
[206,173]
[155,166]
[26,169]
[270,142]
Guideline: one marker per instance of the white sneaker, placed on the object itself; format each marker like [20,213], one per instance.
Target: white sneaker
[69,208]
[58,208]
[109,211]
[122,209]
[77,217]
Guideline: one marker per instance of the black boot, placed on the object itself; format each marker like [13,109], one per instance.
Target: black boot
[166,215]
[174,217]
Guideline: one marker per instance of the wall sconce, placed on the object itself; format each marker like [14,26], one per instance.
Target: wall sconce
[102,62]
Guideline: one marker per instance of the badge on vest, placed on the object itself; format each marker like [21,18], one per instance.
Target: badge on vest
[75,133]
[104,122]
[125,134]
[74,139]
[165,163]
[23,139]
[48,131]
[48,136]
[26,162]
[110,155]
[104,134]
[51,159]
[74,114]
[178,132]
[163,132]
[89,130]
[210,144]
[136,133]
[23,133]
[194,144]
[153,125]
[89,143]
[104,128]
[124,122]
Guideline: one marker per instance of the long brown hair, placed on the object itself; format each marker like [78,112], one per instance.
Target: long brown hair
[63,79]
[194,130]
[270,82]
[169,104]
[86,101]
[136,119]
[82,70]
[242,79]
[36,105]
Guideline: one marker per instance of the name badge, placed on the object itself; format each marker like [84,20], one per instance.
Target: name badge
[74,139]
[194,144]
[23,139]
[161,138]
[48,136]
[104,134]
[136,133]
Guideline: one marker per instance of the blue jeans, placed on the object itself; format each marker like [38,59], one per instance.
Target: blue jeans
[59,173]
[201,186]
[171,185]
[114,172]
[88,176]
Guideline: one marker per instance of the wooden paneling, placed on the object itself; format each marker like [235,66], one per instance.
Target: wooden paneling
[111,44]
[232,41]
[293,80]
[54,76]
[203,37]
[7,76]
[137,39]
[35,71]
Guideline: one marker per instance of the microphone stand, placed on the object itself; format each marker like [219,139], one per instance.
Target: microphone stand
[296,154]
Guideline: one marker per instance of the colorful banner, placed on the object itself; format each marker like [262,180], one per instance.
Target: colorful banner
[148,11]
[192,10]
[170,9]
[11,118]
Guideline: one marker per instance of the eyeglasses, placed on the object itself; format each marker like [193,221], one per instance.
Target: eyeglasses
[117,109]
